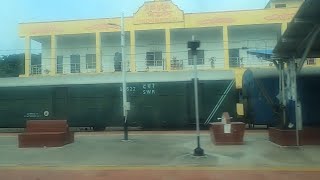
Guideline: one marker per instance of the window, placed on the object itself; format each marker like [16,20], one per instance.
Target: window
[36,67]
[280,6]
[200,59]
[117,61]
[59,64]
[234,58]
[311,61]
[90,61]
[75,63]
[154,58]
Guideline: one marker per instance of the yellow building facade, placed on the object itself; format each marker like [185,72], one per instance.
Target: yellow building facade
[156,38]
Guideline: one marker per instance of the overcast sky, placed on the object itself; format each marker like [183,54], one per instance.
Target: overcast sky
[16,11]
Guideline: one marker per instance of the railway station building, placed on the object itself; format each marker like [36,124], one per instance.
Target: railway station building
[156,37]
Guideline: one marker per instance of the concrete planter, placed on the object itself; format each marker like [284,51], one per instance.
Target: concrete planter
[220,137]
[287,137]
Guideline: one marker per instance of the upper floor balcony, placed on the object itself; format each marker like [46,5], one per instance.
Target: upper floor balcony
[154,50]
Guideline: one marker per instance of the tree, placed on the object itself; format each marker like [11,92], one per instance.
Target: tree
[13,65]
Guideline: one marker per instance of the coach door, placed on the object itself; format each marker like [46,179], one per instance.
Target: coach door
[60,103]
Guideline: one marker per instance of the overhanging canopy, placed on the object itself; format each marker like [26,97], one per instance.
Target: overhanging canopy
[265,54]
[304,28]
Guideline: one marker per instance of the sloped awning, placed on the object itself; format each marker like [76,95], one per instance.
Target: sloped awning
[302,37]
[265,54]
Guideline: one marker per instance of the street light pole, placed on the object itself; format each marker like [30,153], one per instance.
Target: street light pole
[193,45]
[125,104]
[124,80]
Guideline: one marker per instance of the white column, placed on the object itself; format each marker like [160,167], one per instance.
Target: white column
[292,79]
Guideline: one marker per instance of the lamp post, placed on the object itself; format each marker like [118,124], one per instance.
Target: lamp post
[124,81]
[125,104]
[193,45]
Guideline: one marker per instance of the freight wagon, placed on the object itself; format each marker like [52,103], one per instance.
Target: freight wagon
[163,100]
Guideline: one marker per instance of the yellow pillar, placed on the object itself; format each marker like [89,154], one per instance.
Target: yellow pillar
[98,53]
[27,58]
[226,47]
[132,51]
[317,61]
[284,27]
[168,50]
[53,59]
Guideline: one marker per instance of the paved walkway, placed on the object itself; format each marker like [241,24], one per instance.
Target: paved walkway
[165,155]
[156,175]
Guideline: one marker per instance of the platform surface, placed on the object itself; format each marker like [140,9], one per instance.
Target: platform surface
[160,155]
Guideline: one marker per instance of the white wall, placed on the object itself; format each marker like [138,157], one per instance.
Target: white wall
[45,55]
[76,45]
[258,37]
[67,46]
[211,43]
[86,44]
[148,41]
[111,43]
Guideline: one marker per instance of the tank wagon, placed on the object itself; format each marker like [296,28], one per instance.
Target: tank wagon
[260,89]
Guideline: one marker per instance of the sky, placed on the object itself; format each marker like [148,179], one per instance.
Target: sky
[14,12]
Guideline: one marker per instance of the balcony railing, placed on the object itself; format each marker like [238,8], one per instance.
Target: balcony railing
[36,69]
[159,65]
[235,62]
[180,64]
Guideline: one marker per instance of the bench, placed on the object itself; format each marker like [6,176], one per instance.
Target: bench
[46,133]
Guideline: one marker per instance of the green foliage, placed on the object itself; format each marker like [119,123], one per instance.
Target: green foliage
[13,65]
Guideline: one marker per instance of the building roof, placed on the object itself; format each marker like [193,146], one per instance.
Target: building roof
[280,1]
[301,29]
[106,78]
[167,16]
[269,3]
